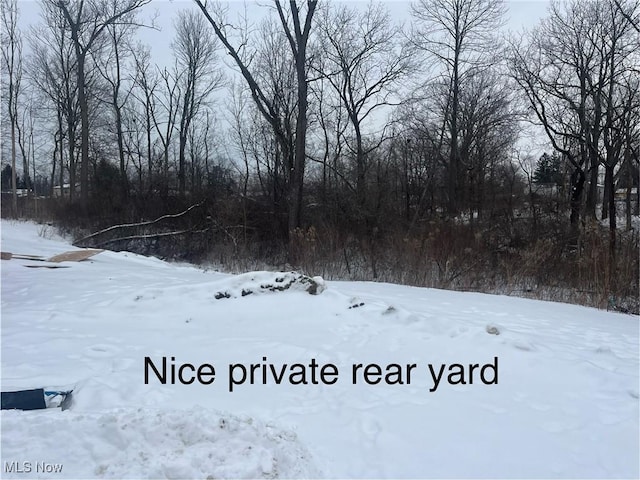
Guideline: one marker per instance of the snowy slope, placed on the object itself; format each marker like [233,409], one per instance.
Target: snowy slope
[565,404]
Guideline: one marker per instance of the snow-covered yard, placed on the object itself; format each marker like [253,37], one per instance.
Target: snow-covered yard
[559,397]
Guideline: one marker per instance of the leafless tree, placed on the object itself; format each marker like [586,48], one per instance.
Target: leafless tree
[298,35]
[571,71]
[164,114]
[330,139]
[86,21]
[457,35]
[146,83]
[12,66]
[296,22]
[275,71]
[195,51]
[488,123]
[52,70]
[111,62]
[364,64]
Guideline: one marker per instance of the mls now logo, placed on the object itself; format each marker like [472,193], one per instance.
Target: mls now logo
[28,467]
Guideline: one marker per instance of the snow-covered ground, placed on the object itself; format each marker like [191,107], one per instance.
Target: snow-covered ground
[564,403]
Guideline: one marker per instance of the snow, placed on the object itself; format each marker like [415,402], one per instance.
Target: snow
[565,404]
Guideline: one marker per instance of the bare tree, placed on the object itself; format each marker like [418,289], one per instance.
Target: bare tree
[488,125]
[275,71]
[157,94]
[298,40]
[147,82]
[333,123]
[86,22]
[12,63]
[570,72]
[457,34]
[298,31]
[52,70]
[111,64]
[195,51]
[363,65]
[164,118]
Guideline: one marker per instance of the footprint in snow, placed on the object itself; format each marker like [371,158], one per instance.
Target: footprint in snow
[525,347]
[370,428]
[101,351]
[604,349]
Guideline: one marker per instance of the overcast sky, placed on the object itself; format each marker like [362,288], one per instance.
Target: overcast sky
[520,14]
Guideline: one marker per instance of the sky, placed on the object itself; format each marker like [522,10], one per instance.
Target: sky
[520,14]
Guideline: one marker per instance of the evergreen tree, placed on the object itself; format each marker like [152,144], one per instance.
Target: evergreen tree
[5,178]
[548,170]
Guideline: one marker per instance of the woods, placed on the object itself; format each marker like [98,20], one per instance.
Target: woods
[445,150]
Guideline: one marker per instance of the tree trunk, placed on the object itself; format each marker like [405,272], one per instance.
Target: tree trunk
[149,157]
[84,131]
[606,195]
[181,167]
[54,162]
[61,173]
[577,187]
[297,177]
[14,180]
[453,132]
[611,204]
[71,139]
[612,229]
[185,122]
[24,151]
[360,167]
[628,192]
[592,191]
[124,181]
[60,139]
[165,173]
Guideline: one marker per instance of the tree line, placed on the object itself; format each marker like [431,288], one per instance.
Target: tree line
[326,126]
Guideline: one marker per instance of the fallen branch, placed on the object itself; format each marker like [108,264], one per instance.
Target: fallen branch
[150,235]
[140,224]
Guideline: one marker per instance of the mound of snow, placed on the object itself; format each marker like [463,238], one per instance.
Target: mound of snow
[263,282]
[143,443]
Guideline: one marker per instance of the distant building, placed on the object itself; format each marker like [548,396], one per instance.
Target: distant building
[64,191]
[20,192]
